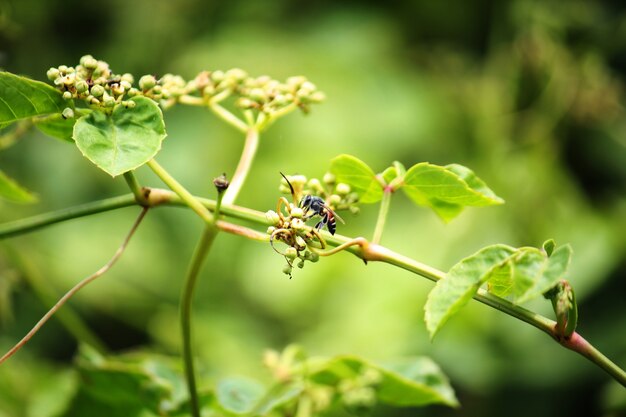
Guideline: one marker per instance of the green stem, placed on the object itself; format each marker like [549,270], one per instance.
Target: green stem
[244,165]
[363,249]
[228,117]
[382,216]
[134,186]
[200,254]
[182,192]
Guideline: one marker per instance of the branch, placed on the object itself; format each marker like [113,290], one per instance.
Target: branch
[75,289]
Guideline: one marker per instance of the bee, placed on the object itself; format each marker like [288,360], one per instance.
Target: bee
[317,206]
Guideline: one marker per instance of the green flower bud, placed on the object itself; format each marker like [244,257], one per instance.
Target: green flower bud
[69,79]
[314,257]
[157,89]
[287,269]
[257,94]
[317,97]
[88,61]
[108,101]
[291,253]
[334,200]
[127,77]
[301,264]
[297,180]
[297,224]
[209,90]
[126,85]
[63,68]
[270,230]
[97,91]
[81,86]
[329,178]
[53,74]
[218,76]
[147,82]
[133,92]
[94,101]
[354,209]
[272,217]
[315,184]
[246,103]
[67,113]
[297,213]
[300,243]
[129,104]
[236,73]
[295,82]
[342,189]
[67,95]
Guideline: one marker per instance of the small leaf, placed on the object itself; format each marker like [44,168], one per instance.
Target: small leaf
[389,174]
[239,395]
[123,141]
[354,172]
[12,191]
[57,127]
[279,397]
[548,246]
[553,272]
[410,382]
[447,190]
[22,98]
[461,283]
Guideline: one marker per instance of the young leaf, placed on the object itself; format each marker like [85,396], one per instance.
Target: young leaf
[22,98]
[239,395]
[123,141]
[553,271]
[56,126]
[447,190]
[360,177]
[410,382]
[461,283]
[12,191]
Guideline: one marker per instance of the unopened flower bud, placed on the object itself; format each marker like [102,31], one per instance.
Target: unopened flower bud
[53,74]
[147,82]
[287,269]
[221,183]
[67,95]
[272,217]
[342,189]
[291,253]
[67,113]
[97,91]
[329,178]
[81,86]
[297,213]
[297,224]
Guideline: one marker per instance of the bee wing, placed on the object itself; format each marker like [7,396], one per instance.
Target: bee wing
[335,215]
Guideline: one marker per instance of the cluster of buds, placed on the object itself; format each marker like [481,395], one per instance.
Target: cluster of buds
[336,195]
[93,82]
[262,94]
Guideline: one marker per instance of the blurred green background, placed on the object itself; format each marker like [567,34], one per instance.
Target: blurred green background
[529,94]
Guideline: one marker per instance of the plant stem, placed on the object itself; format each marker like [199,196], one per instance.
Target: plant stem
[134,186]
[382,215]
[228,117]
[182,192]
[363,249]
[243,167]
[76,288]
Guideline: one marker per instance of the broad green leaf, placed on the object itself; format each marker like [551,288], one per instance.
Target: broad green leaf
[461,283]
[22,98]
[239,395]
[123,141]
[280,397]
[124,386]
[56,126]
[12,191]
[410,382]
[554,270]
[447,190]
[354,172]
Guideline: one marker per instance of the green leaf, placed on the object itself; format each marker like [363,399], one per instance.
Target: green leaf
[123,141]
[239,395]
[12,191]
[447,190]
[554,270]
[360,177]
[22,98]
[410,382]
[123,386]
[57,127]
[279,397]
[460,284]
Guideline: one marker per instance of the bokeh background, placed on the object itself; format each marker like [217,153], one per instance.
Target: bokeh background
[529,94]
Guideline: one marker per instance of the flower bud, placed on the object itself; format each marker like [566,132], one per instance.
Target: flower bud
[354,209]
[217,76]
[297,180]
[67,113]
[270,230]
[287,269]
[315,184]
[53,74]
[297,213]
[291,253]
[272,217]
[300,243]
[67,95]
[301,264]
[129,104]
[147,82]
[317,97]
[108,101]
[342,189]
[297,224]
[329,178]
[89,62]
[63,68]
[295,82]
[81,86]
[236,73]
[257,94]
[314,257]
[334,200]
[97,91]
